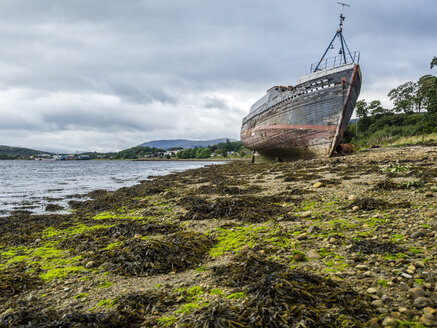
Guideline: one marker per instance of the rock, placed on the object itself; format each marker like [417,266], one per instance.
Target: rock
[245,249]
[406,275]
[372,290]
[137,235]
[302,236]
[418,234]
[389,322]
[305,214]
[298,257]
[313,229]
[429,194]
[318,185]
[89,264]
[372,323]
[37,241]
[361,267]
[422,302]
[355,208]
[378,303]
[382,310]
[427,319]
[352,197]
[404,286]
[416,292]
[313,255]
[429,310]
[332,240]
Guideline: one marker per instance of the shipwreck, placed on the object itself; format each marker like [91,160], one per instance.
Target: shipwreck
[308,119]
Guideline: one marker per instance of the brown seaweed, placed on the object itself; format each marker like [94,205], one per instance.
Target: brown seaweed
[139,257]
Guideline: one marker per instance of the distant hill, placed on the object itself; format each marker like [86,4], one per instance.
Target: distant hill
[7,152]
[184,143]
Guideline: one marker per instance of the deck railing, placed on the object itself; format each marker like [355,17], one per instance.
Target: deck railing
[336,61]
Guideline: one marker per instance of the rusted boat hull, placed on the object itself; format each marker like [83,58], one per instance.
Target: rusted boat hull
[304,121]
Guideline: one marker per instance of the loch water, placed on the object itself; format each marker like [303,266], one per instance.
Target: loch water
[32,185]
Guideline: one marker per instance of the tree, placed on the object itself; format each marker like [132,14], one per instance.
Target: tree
[203,152]
[433,62]
[405,98]
[375,108]
[427,92]
[362,108]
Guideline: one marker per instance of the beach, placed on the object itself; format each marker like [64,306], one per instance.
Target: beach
[347,241]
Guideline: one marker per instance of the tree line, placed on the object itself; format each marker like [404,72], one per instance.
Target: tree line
[414,112]
[222,149]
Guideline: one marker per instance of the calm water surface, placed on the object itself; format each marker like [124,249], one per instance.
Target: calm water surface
[31,185]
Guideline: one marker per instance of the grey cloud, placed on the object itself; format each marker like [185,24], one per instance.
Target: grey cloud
[171,67]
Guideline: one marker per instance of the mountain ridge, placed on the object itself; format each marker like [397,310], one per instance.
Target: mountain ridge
[184,143]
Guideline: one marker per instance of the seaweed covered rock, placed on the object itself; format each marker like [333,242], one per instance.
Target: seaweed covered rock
[368,246]
[223,188]
[22,230]
[140,257]
[126,196]
[14,280]
[217,314]
[244,208]
[280,298]
[246,268]
[369,204]
[131,310]
[94,240]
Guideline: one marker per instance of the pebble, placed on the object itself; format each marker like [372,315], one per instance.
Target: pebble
[389,322]
[406,275]
[404,286]
[416,292]
[372,290]
[429,310]
[352,197]
[427,319]
[137,235]
[422,302]
[418,234]
[305,214]
[361,267]
[89,264]
[313,229]
[382,310]
[429,194]
[378,303]
[373,323]
[302,236]
[355,208]
[313,255]
[318,185]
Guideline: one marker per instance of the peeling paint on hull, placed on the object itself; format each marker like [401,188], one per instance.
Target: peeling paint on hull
[307,120]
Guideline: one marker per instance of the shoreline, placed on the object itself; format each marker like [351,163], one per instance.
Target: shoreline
[353,236]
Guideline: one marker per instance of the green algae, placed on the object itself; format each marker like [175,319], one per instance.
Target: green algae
[166,321]
[51,262]
[236,295]
[105,284]
[232,240]
[107,303]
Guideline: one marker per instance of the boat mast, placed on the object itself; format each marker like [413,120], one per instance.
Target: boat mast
[339,34]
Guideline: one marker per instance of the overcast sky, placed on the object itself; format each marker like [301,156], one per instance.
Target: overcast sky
[104,75]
